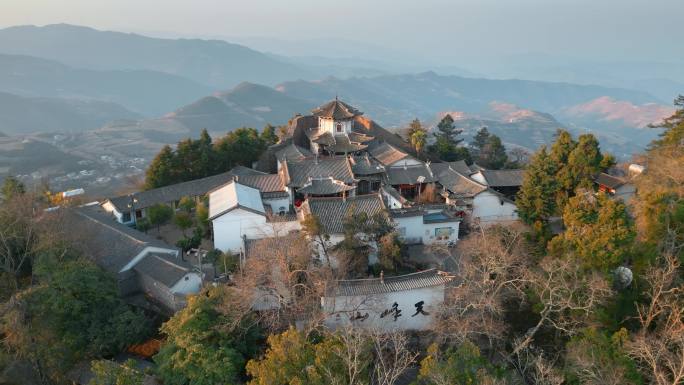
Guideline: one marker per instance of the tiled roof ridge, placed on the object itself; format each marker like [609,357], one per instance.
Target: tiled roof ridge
[394,277]
[112,227]
[168,262]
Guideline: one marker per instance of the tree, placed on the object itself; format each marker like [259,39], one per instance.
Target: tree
[417,135]
[659,205]
[161,170]
[346,356]
[460,366]
[186,204]
[159,214]
[205,346]
[480,140]
[493,154]
[565,297]
[389,251]
[202,218]
[75,314]
[585,161]
[106,372]
[598,232]
[595,358]
[658,345]
[673,133]
[268,135]
[446,143]
[418,140]
[492,267]
[536,199]
[239,147]
[285,362]
[197,158]
[560,153]
[447,131]
[143,224]
[392,356]
[11,187]
[183,220]
[313,229]
[206,157]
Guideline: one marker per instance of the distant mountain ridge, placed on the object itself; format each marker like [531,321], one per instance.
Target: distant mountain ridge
[150,93]
[20,115]
[215,63]
[395,99]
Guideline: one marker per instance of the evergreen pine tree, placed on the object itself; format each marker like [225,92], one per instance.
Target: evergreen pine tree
[536,200]
[161,170]
[268,135]
[480,140]
[584,161]
[560,152]
[205,160]
[493,154]
[447,131]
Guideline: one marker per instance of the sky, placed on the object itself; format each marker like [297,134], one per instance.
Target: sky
[438,29]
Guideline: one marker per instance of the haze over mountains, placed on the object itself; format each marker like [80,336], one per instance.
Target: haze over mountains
[131,94]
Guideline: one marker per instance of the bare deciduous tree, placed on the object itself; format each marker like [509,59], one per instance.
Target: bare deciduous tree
[392,356]
[568,296]
[491,271]
[534,367]
[658,346]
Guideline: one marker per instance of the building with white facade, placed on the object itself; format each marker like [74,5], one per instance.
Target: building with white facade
[406,302]
[237,212]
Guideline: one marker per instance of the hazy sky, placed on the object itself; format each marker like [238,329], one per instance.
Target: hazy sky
[588,29]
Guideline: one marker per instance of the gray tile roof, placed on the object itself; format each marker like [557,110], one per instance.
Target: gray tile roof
[387,154]
[374,286]
[503,178]
[458,166]
[343,144]
[360,137]
[175,192]
[270,185]
[609,181]
[324,186]
[242,170]
[336,109]
[293,152]
[299,172]
[110,244]
[458,184]
[331,212]
[409,175]
[365,165]
[163,268]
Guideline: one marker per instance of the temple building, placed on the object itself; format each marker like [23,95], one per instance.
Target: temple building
[334,134]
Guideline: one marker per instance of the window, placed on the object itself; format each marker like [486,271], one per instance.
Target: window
[126,217]
[443,232]
[339,127]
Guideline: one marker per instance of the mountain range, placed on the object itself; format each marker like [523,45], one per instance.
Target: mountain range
[150,93]
[126,95]
[214,63]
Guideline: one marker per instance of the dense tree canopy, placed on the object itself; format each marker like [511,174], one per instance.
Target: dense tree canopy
[74,313]
[204,345]
[553,177]
[198,158]
[598,231]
